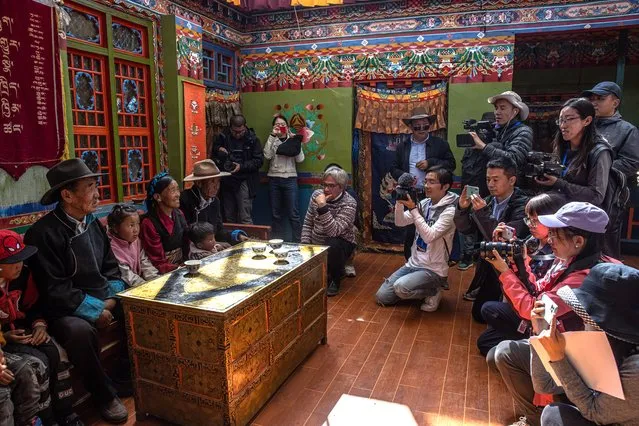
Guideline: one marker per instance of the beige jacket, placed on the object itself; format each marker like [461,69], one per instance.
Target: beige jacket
[281,165]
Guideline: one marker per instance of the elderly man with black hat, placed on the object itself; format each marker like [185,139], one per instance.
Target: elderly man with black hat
[78,276]
[416,153]
[624,140]
[200,203]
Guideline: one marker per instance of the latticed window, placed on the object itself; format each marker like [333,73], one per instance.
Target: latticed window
[219,66]
[110,86]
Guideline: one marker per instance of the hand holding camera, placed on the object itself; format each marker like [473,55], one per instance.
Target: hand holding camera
[503,233]
[408,202]
[479,144]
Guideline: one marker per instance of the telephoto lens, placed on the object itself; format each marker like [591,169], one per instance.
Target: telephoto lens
[486,249]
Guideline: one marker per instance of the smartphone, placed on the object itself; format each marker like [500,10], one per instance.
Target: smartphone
[551,308]
[470,190]
[508,233]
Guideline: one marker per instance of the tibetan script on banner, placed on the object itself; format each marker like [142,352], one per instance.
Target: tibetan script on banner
[31,125]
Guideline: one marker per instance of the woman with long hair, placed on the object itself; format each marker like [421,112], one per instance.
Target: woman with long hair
[586,164]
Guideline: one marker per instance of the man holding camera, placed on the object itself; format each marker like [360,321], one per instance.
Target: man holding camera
[624,140]
[426,271]
[507,204]
[513,138]
[238,151]
[416,153]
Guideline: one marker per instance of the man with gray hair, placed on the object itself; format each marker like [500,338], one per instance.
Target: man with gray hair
[330,221]
[238,151]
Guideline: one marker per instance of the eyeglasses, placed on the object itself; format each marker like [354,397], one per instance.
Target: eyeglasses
[329,185]
[531,223]
[422,127]
[561,121]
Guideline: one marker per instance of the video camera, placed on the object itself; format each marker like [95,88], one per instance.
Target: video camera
[405,187]
[542,163]
[512,249]
[485,129]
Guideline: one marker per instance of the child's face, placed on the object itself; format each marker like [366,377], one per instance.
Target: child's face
[129,229]
[208,243]
[10,271]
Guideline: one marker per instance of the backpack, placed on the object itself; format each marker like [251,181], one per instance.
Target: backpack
[617,192]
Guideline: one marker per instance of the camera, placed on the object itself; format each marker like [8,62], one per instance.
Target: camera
[542,163]
[405,188]
[227,160]
[485,129]
[512,249]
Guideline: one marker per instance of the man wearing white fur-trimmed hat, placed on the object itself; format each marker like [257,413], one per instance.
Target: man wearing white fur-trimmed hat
[514,138]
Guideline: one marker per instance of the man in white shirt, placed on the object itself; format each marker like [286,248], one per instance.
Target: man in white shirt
[426,271]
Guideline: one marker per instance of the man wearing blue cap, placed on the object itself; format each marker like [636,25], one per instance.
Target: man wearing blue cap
[624,139]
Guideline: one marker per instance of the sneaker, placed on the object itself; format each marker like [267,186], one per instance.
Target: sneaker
[464,265]
[333,289]
[471,296]
[521,422]
[431,303]
[114,411]
[349,271]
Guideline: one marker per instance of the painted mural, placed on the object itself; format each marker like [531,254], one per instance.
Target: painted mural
[308,121]
[189,48]
[489,59]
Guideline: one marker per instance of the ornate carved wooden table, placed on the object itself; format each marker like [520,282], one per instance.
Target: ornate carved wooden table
[210,349]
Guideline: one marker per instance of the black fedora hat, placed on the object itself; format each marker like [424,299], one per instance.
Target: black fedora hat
[62,174]
[608,299]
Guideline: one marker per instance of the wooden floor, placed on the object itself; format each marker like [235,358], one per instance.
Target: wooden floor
[425,361]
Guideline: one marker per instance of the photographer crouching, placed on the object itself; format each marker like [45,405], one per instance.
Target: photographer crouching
[426,271]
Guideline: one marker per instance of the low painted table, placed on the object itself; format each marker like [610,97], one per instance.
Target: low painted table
[211,348]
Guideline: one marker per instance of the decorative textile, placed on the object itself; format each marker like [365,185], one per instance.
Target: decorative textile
[31,126]
[221,105]
[464,60]
[313,3]
[194,124]
[570,50]
[382,111]
[189,48]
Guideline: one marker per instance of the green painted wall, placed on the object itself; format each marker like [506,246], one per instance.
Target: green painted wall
[332,122]
[468,101]
[173,102]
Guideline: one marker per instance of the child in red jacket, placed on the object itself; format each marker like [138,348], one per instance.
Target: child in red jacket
[25,330]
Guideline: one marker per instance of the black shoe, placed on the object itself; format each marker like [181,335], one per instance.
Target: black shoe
[114,411]
[333,289]
[72,420]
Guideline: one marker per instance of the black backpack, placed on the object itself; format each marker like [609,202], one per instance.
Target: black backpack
[617,192]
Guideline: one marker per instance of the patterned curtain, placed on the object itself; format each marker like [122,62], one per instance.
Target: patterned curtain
[220,106]
[382,111]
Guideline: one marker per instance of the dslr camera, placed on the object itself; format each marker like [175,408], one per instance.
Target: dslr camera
[485,129]
[227,160]
[542,163]
[513,249]
[405,188]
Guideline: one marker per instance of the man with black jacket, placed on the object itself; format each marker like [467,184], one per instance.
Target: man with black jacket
[506,203]
[416,153]
[238,151]
[623,137]
[78,277]
[200,204]
[514,139]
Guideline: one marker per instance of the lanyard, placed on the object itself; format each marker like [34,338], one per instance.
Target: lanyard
[563,163]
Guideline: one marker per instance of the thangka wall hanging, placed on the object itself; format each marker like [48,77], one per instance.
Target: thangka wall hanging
[382,111]
[31,126]
[194,125]
[464,60]
[189,48]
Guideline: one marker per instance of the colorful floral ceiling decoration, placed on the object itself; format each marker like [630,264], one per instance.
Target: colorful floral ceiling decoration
[462,60]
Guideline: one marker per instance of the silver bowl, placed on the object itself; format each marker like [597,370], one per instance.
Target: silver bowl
[276,243]
[193,266]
